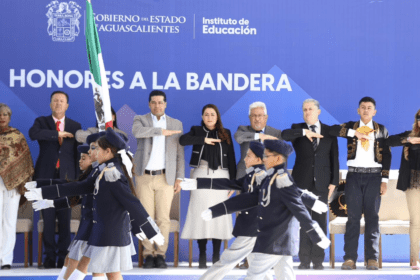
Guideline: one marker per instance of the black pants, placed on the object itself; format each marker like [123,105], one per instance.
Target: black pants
[309,252]
[51,248]
[202,243]
[362,196]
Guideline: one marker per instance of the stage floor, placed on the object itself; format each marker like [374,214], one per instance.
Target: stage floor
[388,272]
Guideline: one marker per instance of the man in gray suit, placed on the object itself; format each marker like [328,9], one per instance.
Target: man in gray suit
[257,131]
[159,162]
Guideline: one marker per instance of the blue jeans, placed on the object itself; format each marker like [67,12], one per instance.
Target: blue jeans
[362,196]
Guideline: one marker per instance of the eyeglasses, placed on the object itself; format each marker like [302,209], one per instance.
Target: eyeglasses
[418,118]
[257,116]
[267,156]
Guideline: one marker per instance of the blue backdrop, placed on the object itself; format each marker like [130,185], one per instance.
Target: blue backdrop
[230,53]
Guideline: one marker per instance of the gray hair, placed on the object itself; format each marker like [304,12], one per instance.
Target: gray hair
[257,104]
[316,102]
[4,107]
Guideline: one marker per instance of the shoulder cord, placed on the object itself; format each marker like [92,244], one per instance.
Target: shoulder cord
[98,179]
[266,198]
[251,185]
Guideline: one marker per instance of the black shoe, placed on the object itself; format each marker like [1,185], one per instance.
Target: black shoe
[160,262]
[216,258]
[304,266]
[202,261]
[149,262]
[7,266]
[60,263]
[49,263]
[318,266]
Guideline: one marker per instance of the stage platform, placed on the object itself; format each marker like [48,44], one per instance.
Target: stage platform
[394,271]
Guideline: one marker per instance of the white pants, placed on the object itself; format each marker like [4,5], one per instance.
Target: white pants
[9,205]
[283,267]
[240,248]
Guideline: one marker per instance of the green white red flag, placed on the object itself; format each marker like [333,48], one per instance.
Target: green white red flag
[97,68]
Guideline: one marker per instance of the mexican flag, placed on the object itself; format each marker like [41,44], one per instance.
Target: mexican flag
[97,68]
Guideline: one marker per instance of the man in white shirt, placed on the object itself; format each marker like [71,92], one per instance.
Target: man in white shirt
[368,161]
[159,163]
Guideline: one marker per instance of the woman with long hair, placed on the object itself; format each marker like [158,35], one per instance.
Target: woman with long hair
[212,157]
[409,182]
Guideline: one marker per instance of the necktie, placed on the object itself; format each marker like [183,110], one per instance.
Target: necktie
[259,131]
[314,140]
[60,141]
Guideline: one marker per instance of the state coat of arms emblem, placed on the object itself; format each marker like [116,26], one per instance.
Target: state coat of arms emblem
[63,21]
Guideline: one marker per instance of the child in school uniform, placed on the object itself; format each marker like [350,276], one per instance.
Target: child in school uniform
[280,213]
[89,165]
[246,225]
[108,248]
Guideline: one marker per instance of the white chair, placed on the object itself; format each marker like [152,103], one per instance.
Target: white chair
[25,225]
[393,214]
[393,217]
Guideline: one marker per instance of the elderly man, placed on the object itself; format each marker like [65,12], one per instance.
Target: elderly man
[160,168]
[257,131]
[316,169]
[58,159]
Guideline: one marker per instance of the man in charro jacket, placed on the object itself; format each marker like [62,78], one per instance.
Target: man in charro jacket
[368,161]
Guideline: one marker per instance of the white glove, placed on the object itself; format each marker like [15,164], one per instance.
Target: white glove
[141,236]
[311,194]
[159,239]
[324,243]
[34,194]
[30,185]
[207,215]
[43,204]
[189,184]
[319,207]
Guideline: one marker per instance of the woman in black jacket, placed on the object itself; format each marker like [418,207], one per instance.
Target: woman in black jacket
[409,181]
[212,157]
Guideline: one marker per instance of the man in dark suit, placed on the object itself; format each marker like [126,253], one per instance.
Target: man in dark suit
[316,169]
[257,131]
[58,159]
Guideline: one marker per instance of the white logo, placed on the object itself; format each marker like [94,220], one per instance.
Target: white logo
[63,21]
